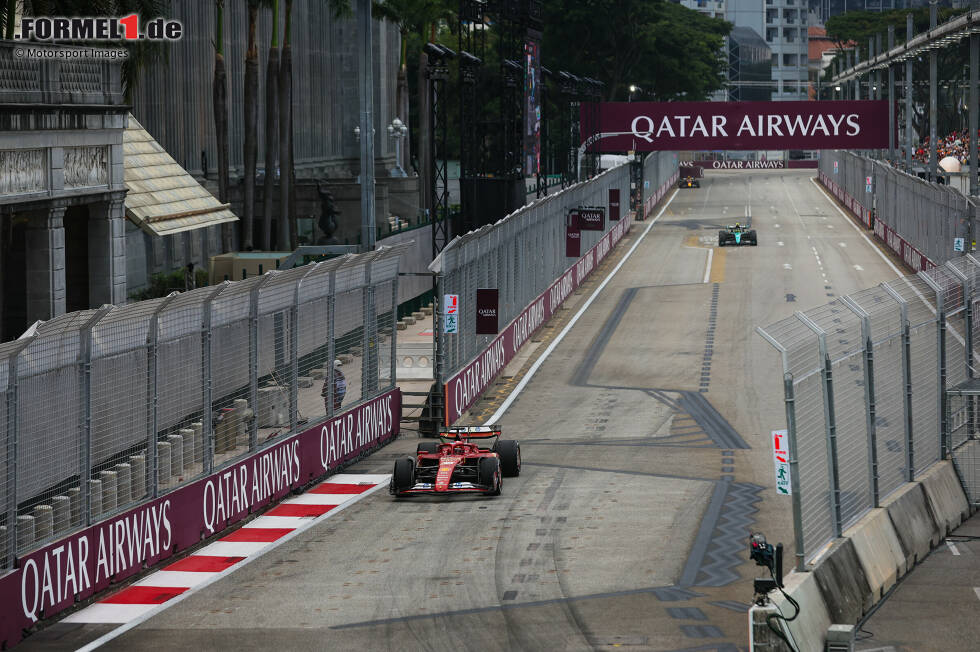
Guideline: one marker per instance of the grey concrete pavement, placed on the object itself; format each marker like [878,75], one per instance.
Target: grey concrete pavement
[644,437]
[934,608]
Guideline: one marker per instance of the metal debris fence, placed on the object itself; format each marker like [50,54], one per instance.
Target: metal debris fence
[524,252]
[905,211]
[877,389]
[102,409]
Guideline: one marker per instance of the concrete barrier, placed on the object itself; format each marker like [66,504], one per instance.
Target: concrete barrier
[176,455]
[61,513]
[164,459]
[138,465]
[124,483]
[110,496]
[946,498]
[809,628]
[197,442]
[75,505]
[843,584]
[913,522]
[25,531]
[43,522]
[879,551]
[94,498]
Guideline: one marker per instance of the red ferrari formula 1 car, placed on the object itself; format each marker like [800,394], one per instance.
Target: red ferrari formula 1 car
[470,459]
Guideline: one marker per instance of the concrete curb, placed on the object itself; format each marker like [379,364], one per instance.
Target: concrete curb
[810,627]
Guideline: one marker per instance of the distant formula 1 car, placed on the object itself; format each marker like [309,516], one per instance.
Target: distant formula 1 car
[737,234]
[470,459]
[690,182]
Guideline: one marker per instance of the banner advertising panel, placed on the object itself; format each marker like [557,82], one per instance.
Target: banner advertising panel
[57,575]
[702,126]
[592,219]
[486,311]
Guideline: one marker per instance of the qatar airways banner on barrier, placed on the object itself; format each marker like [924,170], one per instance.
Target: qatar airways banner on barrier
[462,389]
[700,126]
[82,564]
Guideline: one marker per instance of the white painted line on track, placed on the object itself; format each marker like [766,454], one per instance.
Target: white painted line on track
[843,244]
[707,267]
[142,614]
[787,266]
[568,327]
[855,227]
[952,547]
[859,268]
[780,243]
[775,226]
[976,589]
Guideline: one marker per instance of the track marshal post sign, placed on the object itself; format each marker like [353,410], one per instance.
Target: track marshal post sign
[694,126]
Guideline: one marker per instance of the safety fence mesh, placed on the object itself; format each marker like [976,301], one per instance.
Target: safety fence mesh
[101,409]
[881,384]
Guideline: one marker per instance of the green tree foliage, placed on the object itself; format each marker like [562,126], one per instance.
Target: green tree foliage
[668,50]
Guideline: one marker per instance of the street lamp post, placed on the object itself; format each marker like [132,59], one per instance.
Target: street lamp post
[633,89]
[397,131]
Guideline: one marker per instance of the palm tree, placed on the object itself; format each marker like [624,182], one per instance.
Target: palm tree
[251,101]
[286,217]
[271,118]
[220,107]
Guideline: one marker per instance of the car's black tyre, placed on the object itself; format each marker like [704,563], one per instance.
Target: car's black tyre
[427,447]
[403,476]
[753,238]
[510,457]
[721,238]
[490,475]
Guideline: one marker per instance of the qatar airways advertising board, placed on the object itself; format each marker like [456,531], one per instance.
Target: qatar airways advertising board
[680,126]
[75,567]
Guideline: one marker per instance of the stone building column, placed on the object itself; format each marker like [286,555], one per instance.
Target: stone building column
[45,240]
[107,251]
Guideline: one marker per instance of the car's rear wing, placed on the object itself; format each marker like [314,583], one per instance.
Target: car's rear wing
[469,432]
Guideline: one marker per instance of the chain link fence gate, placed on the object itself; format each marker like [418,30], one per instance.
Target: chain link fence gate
[879,386]
[102,409]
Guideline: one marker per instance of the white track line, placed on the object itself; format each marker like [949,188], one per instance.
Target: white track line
[119,631]
[707,267]
[847,219]
[952,547]
[555,342]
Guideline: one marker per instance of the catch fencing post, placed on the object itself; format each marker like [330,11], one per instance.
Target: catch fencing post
[294,352]
[906,379]
[12,441]
[941,353]
[369,364]
[830,420]
[331,345]
[85,399]
[207,418]
[253,360]
[152,343]
[789,399]
[869,395]
[394,330]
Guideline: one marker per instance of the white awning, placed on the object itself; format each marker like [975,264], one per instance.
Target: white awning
[163,198]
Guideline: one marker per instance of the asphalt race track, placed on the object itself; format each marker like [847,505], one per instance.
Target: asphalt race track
[646,463]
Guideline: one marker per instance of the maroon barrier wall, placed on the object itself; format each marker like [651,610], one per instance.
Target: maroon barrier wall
[78,566]
[660,193]
[912,256]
